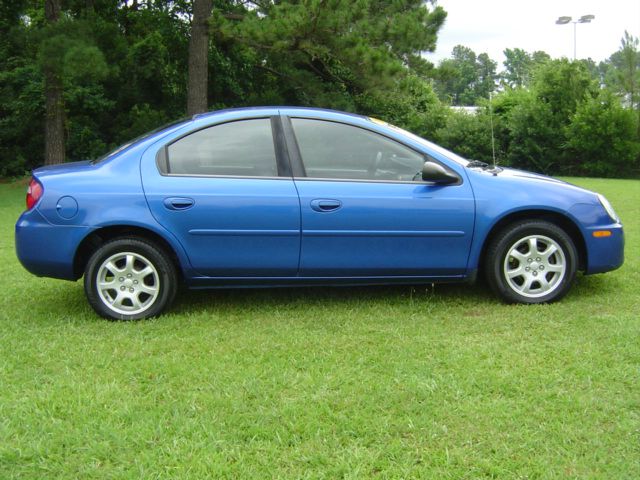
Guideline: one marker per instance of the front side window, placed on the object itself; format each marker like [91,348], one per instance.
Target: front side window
[337,150]
[241,148]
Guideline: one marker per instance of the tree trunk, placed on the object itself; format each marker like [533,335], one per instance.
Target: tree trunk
[54,104]
[198,58]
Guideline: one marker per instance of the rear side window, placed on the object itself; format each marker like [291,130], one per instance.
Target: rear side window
[243,148]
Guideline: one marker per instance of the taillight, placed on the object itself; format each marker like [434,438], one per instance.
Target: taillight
[34,193]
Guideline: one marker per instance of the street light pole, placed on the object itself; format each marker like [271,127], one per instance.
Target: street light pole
[582,19]
[575,42]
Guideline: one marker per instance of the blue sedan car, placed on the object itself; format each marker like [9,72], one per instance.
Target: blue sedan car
[295,196]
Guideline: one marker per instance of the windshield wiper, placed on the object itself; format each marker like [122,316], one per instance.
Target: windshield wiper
[477,164]
[484,166]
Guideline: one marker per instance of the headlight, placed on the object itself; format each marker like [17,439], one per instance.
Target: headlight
[607,206]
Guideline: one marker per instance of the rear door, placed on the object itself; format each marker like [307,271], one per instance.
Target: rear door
[366,211]
[226,193]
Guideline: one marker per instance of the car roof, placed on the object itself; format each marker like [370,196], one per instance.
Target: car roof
[275,110]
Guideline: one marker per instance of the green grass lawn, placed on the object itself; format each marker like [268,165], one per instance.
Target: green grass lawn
[383,382]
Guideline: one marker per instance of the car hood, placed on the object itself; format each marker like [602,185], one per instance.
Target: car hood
[512,172]
[530,178]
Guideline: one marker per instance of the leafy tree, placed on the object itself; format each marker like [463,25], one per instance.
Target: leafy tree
[602,138]
[21,93]
[535,137]
[465,77]
[537,125]
[469,135]
[562,124]
[69,59]
[537,118]
[539,57]
[563,85]
[625,76]
[101,75]
[122,68]
[622,72]
[486,72]
[593,69]
[519,66]
[414,106]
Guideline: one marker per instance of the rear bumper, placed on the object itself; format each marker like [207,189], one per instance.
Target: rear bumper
[47,250]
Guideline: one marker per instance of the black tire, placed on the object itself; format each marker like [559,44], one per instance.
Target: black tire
[138,279]
[531,261]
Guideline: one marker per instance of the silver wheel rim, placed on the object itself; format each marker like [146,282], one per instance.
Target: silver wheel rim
[127,283]
[534,266]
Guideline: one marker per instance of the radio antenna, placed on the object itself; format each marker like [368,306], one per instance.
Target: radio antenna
[493,139]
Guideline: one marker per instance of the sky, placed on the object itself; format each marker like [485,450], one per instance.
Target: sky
[490,26]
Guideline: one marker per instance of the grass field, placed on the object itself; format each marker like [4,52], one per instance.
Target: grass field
[393,382]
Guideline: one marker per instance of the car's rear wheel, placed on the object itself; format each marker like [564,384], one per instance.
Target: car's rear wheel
[531,261]
[130,279]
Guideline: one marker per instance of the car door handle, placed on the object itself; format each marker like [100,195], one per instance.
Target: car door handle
[178,203]
[325,205]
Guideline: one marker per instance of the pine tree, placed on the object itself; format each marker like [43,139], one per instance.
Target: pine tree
[54,115]
[198,58]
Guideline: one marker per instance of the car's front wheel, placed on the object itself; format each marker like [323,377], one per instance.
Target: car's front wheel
[531,262]
[130,279]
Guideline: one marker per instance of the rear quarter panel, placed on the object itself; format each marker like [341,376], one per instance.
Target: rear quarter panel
[107,194]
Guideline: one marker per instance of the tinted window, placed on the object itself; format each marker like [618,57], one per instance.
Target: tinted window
[243,148]
[336,150]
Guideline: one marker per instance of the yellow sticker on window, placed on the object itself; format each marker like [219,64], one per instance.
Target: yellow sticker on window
[379,122]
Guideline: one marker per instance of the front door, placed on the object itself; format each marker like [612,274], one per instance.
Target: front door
[366,211]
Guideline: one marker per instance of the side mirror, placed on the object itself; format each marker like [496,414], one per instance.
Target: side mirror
[436,173]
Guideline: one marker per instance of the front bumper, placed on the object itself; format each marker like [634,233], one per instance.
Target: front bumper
[604,253]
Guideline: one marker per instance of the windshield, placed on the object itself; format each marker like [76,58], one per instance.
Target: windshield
[138,139]
[432,146]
